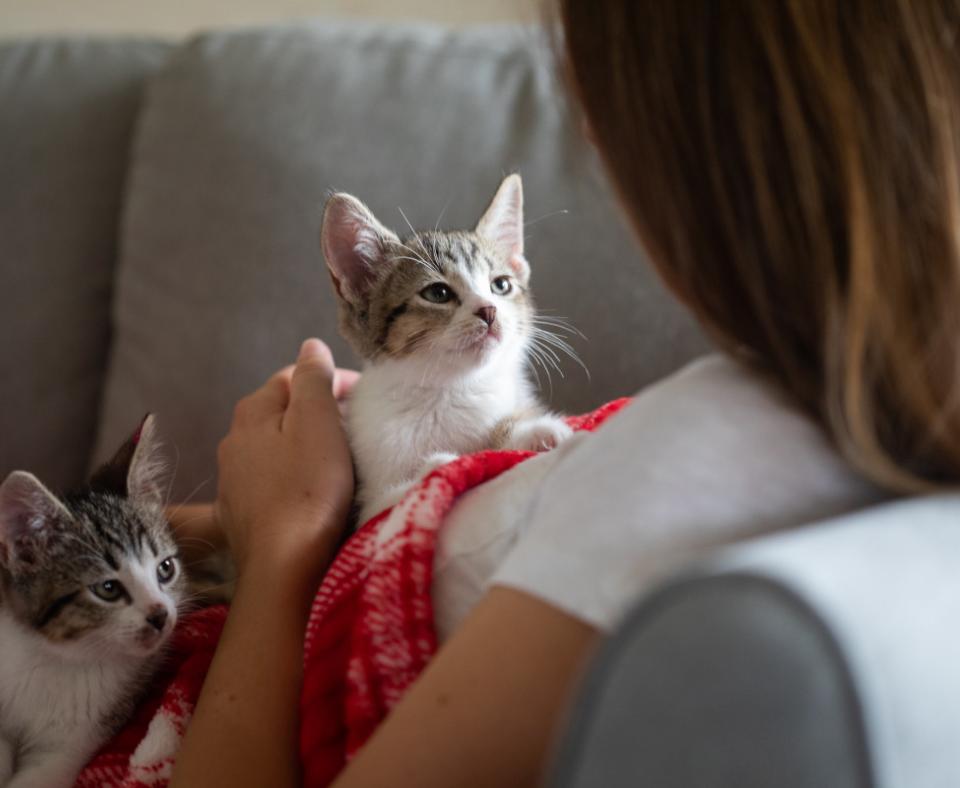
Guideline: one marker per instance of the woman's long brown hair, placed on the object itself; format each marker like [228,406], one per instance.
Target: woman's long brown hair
[793,169]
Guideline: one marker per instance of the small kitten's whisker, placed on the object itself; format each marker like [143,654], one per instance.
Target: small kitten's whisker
[173,476]
[189,498]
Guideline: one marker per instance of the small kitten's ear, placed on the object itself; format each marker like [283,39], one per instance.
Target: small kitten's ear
[353,243]
[502,224]
[26,506]
[136,470]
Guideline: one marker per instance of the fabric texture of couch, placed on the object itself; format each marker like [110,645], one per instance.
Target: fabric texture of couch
[69,110]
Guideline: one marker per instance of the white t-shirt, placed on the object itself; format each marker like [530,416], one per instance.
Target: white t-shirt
[708,456]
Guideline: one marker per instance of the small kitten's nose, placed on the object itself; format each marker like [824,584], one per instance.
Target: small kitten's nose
[157,618]
[487,314]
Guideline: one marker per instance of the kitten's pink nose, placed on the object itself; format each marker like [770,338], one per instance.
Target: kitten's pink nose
[487,314]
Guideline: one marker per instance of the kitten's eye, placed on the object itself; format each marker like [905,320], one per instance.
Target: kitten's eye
[501,285]
[437,293]
[108,590]
[166,569]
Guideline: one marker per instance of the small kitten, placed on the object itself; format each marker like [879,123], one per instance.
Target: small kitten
[89,589]
[444,322]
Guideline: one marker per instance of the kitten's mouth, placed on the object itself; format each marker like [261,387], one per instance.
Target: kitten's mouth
[484,340]
[148,639]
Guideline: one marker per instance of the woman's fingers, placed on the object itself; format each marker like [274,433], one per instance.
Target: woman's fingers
[313,375]
[270,400]
[343,382]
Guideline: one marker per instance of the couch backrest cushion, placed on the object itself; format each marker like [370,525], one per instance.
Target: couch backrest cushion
[68,109]
[243,135]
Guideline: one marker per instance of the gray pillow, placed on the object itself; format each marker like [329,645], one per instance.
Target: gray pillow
[242,137]
[68,114]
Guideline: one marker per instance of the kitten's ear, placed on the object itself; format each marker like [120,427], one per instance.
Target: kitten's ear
[502,224]
[26,506]
[136,470]
[353,243]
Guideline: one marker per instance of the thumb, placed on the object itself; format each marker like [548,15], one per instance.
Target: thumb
[313,375]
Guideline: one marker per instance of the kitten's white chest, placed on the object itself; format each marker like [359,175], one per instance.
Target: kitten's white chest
[395,424]
[42,696]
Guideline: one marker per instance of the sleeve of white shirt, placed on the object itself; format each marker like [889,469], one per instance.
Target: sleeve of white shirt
[709,456]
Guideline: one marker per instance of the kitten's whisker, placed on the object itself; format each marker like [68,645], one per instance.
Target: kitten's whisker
[413,234]
[550,338]
[532,222]
[415,253]
[173,476]
[419,262]
[550,356]
[187,500]
[189,521]
[194,541]
[537,356]
[436,226]
[427,264]
[546,348]
[412,231]
[561,323]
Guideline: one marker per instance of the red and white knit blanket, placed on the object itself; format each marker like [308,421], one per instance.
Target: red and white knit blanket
[370,634]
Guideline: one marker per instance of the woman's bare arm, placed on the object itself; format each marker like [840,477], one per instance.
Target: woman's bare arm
[486,709]
[245,728]
[285,485]
[483,713]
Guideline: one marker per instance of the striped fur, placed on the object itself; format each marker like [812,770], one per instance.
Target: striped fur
[72,663]
[443,377]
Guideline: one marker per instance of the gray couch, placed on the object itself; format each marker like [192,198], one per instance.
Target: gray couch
[159,207]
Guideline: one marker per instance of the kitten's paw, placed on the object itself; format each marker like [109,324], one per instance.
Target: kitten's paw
[540,434]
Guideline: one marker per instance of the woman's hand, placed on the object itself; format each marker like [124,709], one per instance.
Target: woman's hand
[286,475]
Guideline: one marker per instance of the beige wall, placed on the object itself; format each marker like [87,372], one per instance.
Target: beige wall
[178,17]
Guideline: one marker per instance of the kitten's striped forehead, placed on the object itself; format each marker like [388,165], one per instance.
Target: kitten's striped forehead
[449,252]
[112,528]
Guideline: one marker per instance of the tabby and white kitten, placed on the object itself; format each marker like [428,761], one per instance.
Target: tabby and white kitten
[89,589]
[444,322]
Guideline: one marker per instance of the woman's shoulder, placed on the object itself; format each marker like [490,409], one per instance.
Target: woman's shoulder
[710,455]
[713,409]
[715,388]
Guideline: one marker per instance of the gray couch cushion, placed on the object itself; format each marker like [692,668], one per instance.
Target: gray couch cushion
[729,682]
[68,112]
[243,135]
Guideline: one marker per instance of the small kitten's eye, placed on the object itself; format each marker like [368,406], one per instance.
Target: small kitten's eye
[108,590]
[501,285]
[166,569]
[437,293]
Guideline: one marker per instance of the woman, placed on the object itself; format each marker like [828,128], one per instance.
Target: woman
[792,170]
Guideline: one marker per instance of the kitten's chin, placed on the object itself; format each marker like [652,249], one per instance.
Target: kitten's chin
[483,344]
